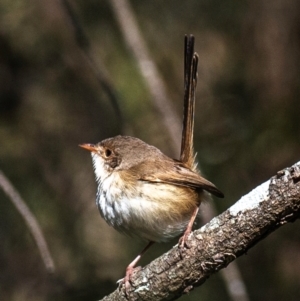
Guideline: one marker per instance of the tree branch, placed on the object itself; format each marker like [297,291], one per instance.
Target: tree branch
[84,44]
[30,221]
[135,42]
[226,237]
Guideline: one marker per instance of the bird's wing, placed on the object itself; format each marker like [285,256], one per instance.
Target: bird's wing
[176,173]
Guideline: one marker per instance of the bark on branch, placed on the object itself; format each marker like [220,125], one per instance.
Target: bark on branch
[226,237]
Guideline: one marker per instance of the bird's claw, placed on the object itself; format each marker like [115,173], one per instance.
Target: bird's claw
[182,243]
[126,280]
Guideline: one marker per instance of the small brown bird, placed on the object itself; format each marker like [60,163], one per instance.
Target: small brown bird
[144,193]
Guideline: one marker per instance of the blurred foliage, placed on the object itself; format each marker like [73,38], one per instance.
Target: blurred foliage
[247,128]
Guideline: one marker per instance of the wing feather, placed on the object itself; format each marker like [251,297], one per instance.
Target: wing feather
[175,173]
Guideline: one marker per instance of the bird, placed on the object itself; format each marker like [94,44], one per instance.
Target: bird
[146,194]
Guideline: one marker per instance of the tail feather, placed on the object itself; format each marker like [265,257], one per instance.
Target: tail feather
[187,155]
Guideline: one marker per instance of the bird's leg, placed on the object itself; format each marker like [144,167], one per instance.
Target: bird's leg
[131,267]
[182,240]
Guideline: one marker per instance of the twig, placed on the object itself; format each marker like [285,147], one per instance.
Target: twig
[30,220]
[84,45]
[148,69]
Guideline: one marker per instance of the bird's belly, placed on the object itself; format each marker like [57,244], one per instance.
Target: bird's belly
[154,212]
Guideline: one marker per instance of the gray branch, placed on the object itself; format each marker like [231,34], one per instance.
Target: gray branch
[226,237]
[30,221]
[135,42]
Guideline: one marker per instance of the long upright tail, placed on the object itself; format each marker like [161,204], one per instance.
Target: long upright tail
[187,155]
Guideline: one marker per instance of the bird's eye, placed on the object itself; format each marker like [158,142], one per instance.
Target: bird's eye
[107,153]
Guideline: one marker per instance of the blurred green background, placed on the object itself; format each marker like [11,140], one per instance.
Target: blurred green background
[247,128]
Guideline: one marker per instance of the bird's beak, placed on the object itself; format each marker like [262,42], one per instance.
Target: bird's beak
[89,147]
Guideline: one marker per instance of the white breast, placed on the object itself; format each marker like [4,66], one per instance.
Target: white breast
[134,212]
[111,199]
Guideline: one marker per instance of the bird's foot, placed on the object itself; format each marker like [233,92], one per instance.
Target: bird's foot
[182,243]
[126,280]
